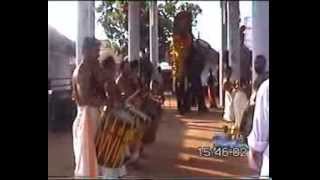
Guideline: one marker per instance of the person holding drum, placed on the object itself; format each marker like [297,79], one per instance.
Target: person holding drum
[130,87]
[114,126]
[88,93]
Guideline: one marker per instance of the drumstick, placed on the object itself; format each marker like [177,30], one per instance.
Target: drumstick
[127,101]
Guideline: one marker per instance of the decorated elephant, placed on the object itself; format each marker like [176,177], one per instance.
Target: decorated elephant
[188,58]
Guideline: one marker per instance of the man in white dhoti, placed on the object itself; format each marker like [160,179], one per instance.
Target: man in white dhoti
[228,88]
[239,103]
[88,92]
[258,139]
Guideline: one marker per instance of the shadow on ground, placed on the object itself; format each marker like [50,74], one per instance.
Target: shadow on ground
[174,154]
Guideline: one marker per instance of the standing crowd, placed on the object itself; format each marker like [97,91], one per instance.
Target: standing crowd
[248,113]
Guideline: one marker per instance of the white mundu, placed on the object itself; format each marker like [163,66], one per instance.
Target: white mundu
[228,108]
[239,104]
[258,139]
[84,130]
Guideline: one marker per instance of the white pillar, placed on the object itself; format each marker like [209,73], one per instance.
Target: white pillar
[86,21]
[153,33]
[223,5]
[260,30]
[134,30]
[234,38]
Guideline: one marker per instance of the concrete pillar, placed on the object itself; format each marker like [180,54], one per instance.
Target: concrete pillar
[223,5]
[234,38]
[260,30]
[86,25]
[224,25]
[134,30]
[153,33]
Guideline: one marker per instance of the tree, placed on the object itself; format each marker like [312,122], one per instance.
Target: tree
[114,19]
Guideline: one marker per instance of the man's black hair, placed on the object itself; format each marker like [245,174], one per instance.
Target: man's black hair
[260,69]
[90,42]
[261,57]
[134,64]
[122,64]
[108,62]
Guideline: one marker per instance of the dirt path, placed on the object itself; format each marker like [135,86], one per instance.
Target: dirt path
[174,154]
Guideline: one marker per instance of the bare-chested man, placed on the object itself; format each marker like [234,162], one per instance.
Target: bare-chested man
[127,80]
[128,84]
[113,102]
[88,92]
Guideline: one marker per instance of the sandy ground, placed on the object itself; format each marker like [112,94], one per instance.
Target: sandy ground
[174,154]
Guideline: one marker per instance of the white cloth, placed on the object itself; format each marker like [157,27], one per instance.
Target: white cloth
[84,129]
[113,173]
[228,108]
[258,139]
[239,103]
[253,98]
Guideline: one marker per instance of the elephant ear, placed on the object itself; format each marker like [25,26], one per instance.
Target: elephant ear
[210,55]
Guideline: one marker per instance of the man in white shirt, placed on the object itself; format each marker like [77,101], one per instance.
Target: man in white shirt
[258,140]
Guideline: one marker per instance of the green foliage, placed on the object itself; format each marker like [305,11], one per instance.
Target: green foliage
[114,19]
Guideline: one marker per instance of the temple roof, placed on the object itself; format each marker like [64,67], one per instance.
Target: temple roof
[60,43]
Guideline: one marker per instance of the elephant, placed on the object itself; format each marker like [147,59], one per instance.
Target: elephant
[201,56]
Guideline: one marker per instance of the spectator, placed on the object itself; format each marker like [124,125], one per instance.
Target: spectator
[227,88]
[258,139]
[211,93]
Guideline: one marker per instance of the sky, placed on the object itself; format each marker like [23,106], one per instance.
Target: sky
[62,15]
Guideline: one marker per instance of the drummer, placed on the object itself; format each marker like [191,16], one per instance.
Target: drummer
[109,68]
[113,101]
[127,81]
[128,84]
